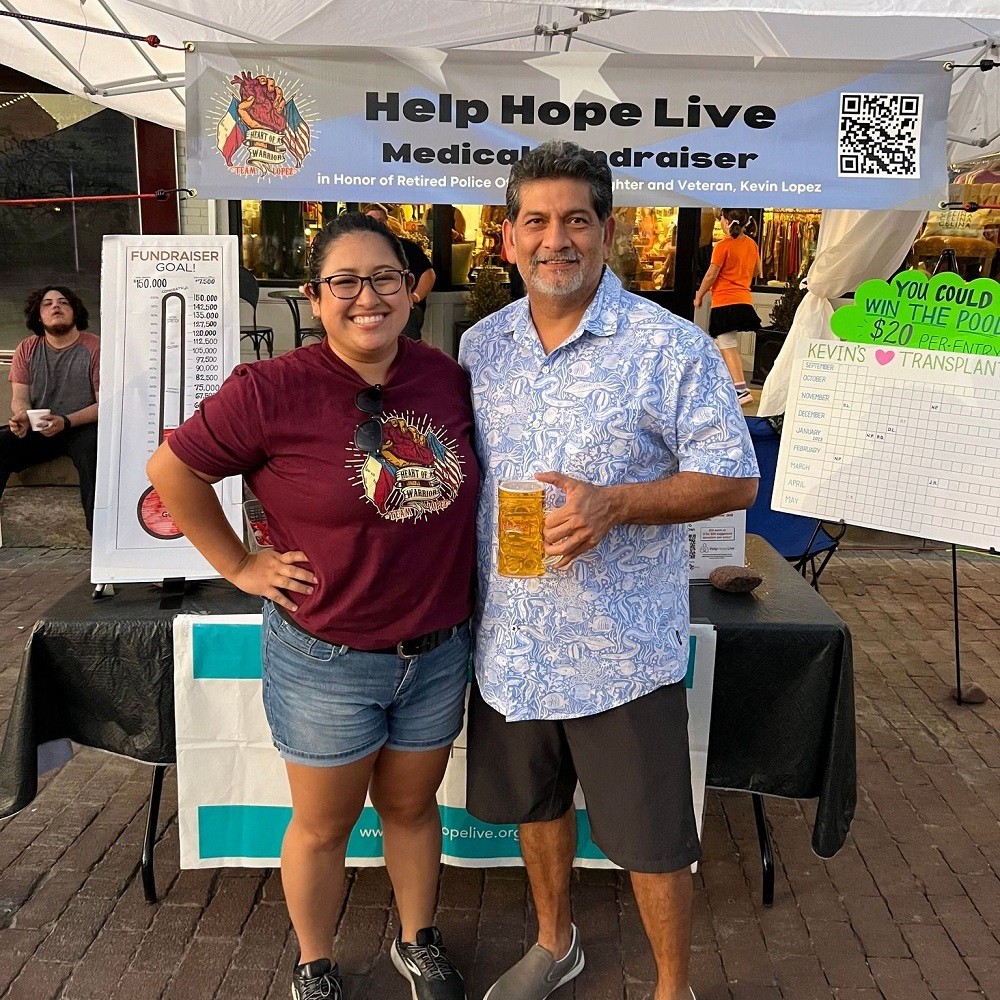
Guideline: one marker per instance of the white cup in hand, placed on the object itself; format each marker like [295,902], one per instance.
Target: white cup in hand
[39,419]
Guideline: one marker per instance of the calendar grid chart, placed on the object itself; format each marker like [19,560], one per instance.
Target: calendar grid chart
[901,440]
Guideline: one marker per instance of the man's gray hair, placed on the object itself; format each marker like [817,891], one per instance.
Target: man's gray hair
[555,160]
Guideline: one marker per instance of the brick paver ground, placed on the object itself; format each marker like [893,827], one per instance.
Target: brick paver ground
[909,909]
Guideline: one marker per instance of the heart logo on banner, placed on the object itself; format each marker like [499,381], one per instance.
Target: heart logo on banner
[884,357]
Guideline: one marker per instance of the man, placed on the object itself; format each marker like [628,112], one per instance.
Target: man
[57,368]
[419,266]
[629,412]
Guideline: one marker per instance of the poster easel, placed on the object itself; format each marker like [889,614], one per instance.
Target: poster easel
[891,426]
[971,694]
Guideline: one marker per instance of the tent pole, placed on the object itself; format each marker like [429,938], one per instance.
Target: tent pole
[88,87]
[979,43]
[117,90]
[507,36]
[616,47]
[162,8]
[966,141]
[160,75]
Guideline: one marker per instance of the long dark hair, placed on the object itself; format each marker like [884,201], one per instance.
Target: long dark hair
[33,308]
[344,225]
[739,219]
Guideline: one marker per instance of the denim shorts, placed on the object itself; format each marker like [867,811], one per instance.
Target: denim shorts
[329,705]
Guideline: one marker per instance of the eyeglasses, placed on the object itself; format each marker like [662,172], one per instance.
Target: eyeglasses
[368,436]
[348,286]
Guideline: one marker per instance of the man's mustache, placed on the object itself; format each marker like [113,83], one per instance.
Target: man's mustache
[557,259]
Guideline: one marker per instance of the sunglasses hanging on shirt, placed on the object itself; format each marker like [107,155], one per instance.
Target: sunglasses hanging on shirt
[368,435]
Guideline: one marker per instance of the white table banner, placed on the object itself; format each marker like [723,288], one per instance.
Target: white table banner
[233,799]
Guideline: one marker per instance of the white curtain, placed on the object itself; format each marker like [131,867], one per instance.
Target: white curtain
[853,246]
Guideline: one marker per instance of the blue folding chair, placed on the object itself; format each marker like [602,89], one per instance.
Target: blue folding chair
[806,542]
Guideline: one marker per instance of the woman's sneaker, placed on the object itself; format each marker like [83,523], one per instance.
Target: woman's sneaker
[744,396]
[319,980]
[427,968]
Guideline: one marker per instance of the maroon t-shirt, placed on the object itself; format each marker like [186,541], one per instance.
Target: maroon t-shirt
[391,538]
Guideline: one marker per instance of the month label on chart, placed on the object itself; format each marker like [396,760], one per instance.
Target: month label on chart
[896,439]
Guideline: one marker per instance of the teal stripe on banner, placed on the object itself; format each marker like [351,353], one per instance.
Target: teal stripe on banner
[257,831]
[226,652]
[692,646]
[241,831]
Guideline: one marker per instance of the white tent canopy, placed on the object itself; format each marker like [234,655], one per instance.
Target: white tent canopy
[148,83]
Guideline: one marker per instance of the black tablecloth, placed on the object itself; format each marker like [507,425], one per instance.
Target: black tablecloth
[101,674]
[783,703]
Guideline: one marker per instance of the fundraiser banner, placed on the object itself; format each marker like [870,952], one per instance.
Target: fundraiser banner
[232,794]
[349,123]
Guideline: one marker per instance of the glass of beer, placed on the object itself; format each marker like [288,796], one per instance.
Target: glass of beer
[519,523]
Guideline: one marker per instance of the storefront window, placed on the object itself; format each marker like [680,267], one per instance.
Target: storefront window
[412,222]
[275,235]
[645,248]
[55,145]
[477,241]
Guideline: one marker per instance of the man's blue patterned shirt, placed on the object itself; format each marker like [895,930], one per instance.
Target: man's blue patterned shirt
[635,394]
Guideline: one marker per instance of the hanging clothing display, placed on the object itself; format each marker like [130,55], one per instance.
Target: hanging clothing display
[788,242]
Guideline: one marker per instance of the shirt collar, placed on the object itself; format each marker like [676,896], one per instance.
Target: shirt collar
[599,320]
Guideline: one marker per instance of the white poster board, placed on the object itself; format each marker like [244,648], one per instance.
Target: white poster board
[717,541]
[902,440]
[233,799]
[170,336]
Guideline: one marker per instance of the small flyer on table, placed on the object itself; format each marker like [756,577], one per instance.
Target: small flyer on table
[717,541]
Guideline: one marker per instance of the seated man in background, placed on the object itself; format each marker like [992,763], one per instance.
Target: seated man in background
[418,265]
[56,369]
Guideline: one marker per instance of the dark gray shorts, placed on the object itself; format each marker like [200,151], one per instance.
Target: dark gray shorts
[632,762]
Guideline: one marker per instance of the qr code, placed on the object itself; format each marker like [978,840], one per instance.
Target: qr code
[879,135]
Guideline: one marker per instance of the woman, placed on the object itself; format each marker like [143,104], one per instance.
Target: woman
[735,263]
[359,449]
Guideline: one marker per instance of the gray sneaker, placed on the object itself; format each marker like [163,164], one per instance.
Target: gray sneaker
[538,974]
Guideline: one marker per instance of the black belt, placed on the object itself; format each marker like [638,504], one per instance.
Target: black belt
[408,648]
[405,648]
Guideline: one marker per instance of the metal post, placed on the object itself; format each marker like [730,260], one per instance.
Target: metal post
[958,644]
[970,694]
[76,244]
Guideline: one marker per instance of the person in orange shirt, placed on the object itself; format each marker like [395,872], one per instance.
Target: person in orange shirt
[735,263]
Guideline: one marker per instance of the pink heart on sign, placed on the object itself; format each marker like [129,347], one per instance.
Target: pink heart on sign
[884,357]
